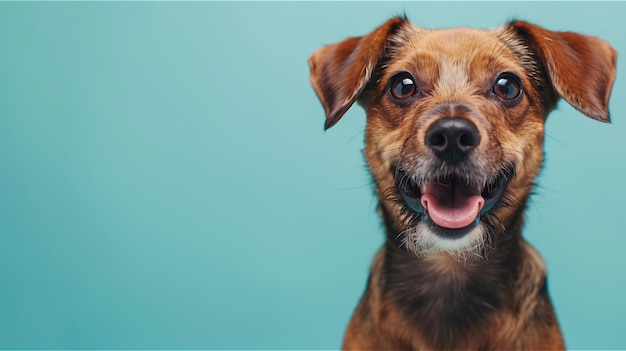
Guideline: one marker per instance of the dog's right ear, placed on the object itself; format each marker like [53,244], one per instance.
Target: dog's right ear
[340,72]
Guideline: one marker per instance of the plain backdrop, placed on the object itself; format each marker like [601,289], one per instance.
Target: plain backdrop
[165,181]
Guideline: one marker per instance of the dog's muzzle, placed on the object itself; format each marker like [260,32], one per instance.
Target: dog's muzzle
[454,194]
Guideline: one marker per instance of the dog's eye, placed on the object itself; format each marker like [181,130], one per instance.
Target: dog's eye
[507,87]
[402,86]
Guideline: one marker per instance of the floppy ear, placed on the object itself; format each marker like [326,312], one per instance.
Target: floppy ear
[581,67]
[340,72]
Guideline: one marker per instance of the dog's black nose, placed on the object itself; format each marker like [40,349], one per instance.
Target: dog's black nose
[452,139]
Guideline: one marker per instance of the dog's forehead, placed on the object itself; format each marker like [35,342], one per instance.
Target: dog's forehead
[466,54]
[456,42]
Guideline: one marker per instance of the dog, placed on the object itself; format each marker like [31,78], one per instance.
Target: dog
[453,141]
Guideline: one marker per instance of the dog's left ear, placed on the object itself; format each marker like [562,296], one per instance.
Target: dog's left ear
[581,67]
[340,72]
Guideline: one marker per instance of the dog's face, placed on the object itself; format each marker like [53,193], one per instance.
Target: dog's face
[455,119]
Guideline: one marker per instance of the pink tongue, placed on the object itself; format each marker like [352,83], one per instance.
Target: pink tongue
[452,206]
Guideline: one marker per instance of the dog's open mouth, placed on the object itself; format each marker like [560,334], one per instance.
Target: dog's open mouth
[451,202]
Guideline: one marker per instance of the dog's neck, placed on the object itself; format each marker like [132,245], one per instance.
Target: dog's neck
[442,293]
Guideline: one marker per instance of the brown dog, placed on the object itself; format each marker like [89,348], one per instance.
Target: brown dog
[455,127]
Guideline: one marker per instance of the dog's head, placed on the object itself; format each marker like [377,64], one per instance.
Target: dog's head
[455,119]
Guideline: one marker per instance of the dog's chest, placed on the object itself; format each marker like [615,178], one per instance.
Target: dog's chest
[441,295]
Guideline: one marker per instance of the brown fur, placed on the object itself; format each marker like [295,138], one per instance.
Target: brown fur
[492,295]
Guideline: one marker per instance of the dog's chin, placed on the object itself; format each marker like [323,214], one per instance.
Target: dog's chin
[449,210]
[425,238]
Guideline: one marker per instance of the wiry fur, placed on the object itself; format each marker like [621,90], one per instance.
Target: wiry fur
[485,288]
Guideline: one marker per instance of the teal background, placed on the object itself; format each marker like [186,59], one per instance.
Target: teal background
[165,181]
